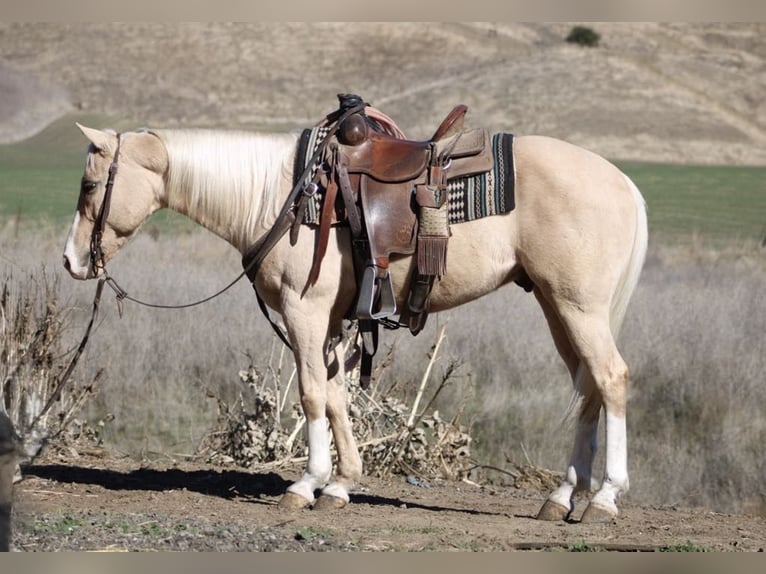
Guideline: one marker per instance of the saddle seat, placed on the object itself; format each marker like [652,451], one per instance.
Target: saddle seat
[387,158]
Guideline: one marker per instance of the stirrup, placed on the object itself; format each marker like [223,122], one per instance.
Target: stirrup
[374,290]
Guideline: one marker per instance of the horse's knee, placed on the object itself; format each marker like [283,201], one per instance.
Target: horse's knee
[313,400]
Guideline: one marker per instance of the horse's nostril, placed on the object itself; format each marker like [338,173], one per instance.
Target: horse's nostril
[67,265]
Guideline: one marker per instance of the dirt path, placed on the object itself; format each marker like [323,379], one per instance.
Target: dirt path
[104,503]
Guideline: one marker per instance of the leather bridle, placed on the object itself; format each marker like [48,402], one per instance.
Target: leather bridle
[96,251]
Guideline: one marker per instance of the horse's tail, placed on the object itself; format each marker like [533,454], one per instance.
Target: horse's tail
[622,293]
[630,276]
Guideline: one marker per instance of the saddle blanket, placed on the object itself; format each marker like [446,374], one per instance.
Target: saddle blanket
[471,197]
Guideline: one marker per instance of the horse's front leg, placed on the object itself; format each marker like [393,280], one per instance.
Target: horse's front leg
[349,470]
[323,402]
[307,336]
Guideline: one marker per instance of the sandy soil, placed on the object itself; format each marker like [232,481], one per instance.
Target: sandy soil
[99,502]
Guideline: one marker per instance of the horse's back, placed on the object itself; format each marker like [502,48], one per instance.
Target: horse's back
[574,215]
[548,161]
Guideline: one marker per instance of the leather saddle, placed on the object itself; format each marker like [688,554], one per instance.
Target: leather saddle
[393,194]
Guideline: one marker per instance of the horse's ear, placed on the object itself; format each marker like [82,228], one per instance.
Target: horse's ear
[101,140]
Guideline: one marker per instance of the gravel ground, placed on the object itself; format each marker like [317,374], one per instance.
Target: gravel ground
[106,503]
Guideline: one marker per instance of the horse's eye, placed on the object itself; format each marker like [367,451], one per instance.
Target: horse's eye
[89,186]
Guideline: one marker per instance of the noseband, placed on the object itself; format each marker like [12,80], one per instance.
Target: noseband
[96,251]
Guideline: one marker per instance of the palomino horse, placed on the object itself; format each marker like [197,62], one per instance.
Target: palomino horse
[578,234]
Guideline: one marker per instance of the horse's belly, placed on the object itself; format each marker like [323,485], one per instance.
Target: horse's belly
[480,258]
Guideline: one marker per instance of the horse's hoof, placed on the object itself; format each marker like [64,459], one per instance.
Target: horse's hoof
[553,511]
[329,502]
[292,501]
[595,514]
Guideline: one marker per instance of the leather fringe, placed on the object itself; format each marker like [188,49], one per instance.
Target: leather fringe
[432,255]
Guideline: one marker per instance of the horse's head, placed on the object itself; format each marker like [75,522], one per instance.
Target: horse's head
[106,220]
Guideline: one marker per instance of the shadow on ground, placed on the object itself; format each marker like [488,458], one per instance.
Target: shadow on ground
[224,484]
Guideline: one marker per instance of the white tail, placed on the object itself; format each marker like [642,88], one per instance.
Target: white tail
[629,279]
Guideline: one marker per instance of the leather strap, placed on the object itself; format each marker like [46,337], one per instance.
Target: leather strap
[369,330]
[254,256]
[328,210]
[352,212]
[96,252]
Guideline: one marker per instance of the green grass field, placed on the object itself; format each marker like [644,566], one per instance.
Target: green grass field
[717,205]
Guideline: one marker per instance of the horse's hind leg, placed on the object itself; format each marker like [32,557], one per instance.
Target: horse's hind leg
[579,469]
[584,340]
[591,336]
[579,472]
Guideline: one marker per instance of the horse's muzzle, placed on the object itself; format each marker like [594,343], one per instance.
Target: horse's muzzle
[76,270]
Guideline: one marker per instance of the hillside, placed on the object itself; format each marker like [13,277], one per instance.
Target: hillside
[678,92]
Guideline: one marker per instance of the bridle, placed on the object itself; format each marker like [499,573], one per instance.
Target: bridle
[96,252]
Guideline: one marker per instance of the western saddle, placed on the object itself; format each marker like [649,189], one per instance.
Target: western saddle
[393,196]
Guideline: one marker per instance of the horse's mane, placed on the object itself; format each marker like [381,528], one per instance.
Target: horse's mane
[230,179]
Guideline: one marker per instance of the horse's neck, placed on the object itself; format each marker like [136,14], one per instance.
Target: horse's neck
[231,183]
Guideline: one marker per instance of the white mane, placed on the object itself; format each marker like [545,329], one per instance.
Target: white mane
[228,181]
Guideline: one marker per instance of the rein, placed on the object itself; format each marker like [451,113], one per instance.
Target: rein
[73,363]
[97,253]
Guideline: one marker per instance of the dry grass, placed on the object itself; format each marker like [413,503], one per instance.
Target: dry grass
[693,338]
[698,354]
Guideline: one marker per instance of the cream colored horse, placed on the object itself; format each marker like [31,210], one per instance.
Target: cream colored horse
[579,232]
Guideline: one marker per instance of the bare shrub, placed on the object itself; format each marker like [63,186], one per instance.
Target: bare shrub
[395,438]
[400,438]
[32,359]
[252,431]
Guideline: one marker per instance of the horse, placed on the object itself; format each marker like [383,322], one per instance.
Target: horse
[577,236]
